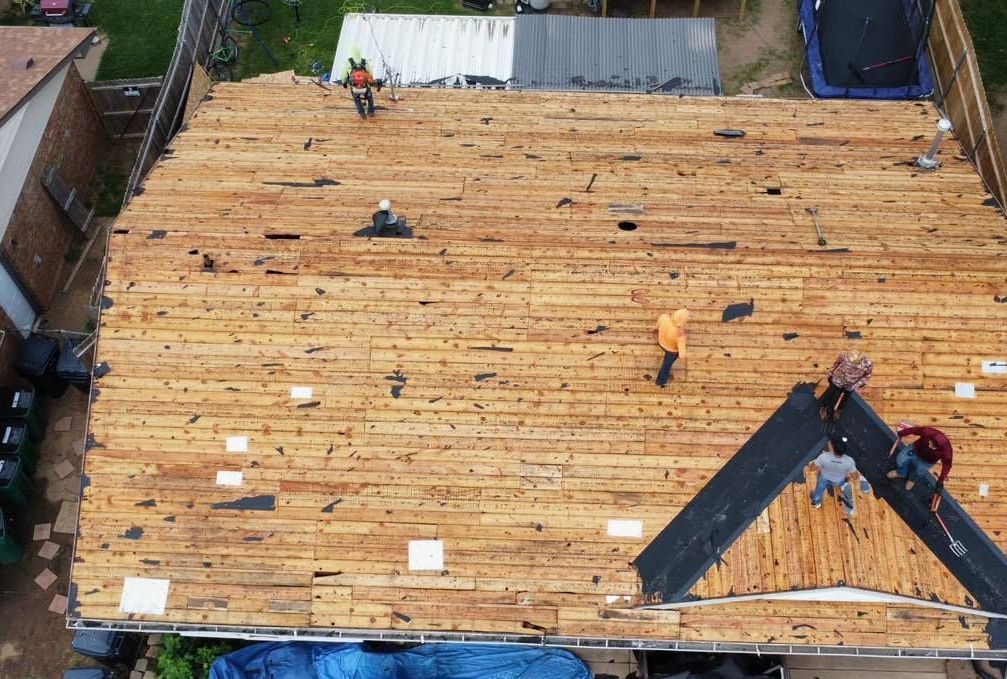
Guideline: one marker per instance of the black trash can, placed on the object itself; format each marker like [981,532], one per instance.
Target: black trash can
[16,441]
[36,361]
[23,404]
[108,647]
[71,369]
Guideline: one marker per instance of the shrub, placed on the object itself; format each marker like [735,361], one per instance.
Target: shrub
[189,657]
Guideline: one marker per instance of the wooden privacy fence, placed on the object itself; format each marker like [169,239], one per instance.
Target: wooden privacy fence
[125,106]
[960,94]
[200,30]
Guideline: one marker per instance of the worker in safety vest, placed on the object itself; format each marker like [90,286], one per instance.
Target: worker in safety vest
[359,80]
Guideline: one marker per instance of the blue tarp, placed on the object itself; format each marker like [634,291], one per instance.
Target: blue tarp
[293,660]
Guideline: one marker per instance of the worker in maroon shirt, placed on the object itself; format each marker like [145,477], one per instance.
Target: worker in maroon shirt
[914,460]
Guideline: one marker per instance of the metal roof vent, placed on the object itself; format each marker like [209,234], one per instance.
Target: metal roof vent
[23,64]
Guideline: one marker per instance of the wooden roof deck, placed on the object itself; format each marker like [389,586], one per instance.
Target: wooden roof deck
[489,382]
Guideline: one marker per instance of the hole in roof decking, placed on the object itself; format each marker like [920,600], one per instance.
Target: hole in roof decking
[774,190]
[627,226]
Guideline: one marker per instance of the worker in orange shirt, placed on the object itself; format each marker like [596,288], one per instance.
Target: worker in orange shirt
[670,332]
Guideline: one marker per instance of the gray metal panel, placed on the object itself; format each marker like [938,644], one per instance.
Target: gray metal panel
[669,56]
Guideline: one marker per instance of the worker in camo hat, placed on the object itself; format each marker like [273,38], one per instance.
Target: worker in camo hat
[851,372]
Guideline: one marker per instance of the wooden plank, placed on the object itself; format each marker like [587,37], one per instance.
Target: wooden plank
[489,382]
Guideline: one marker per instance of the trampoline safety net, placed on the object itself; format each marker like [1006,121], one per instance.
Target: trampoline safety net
[873,43]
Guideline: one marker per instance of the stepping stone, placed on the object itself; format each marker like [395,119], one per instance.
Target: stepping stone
[66,521]
[46,578]
[49,550]
[42,531]
[141,665]
[58,604]
[63,424]
[135,675]
[65,468]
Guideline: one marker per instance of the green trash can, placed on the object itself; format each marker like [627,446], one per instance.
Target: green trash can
[11,549]
[15,487]
[23,404]
[15,440]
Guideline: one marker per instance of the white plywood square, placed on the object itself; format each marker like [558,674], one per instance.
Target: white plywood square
[965,390]
[226,478]
[995,367]
[625,528]
[300,392]
[237,444]
[984,489]
[426,555]
[144,595]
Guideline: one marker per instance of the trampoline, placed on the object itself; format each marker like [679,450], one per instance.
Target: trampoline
[867,49]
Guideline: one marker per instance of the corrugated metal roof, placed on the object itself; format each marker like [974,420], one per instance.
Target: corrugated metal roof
[672,56]
[423,50]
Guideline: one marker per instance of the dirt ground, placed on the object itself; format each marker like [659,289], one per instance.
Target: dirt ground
[761,46]
[34,643]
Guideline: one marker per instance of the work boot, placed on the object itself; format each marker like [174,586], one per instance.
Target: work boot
[893,474]
[910,485]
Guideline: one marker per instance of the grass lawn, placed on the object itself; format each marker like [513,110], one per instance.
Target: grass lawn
[141,35]
[314,39]
[987,20]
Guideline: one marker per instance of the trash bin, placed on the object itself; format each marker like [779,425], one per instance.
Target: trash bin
[23,404]
[36,361]
[108,647]
[15,440]
[71,369]
[15,487]
[11,549]
[87,673]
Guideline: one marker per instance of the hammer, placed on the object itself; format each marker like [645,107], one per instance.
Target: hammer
[818,227]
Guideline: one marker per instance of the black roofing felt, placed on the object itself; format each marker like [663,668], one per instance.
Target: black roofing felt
[983,569]
[775,455]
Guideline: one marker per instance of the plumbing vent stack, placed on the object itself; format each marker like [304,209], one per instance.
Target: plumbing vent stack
[386,206]
[929,161]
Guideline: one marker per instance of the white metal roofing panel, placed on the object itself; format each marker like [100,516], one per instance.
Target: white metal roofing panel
[420,50]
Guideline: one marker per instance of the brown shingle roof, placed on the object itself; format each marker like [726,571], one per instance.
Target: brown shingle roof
[46,47]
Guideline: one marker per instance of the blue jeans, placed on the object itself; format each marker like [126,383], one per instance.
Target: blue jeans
[824,484]
[359,99]
[669,360]
[911,467]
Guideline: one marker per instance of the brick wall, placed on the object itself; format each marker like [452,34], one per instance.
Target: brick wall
[75,143]
[8,352]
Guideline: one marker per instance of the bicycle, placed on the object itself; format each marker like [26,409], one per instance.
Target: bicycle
[251,12]
[219,64]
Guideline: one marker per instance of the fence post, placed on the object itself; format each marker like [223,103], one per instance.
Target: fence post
[954,73]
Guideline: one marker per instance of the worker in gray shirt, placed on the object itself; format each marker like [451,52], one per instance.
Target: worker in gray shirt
[836,469]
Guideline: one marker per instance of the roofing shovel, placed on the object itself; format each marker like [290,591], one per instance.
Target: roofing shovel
[956,546]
